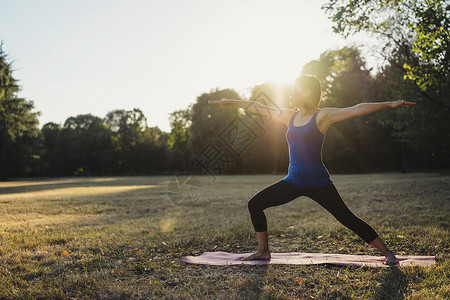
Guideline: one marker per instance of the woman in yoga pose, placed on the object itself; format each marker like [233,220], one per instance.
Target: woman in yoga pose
[307,175]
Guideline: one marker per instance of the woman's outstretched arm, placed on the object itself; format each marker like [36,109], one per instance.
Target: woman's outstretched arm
[281,115]
[333,115]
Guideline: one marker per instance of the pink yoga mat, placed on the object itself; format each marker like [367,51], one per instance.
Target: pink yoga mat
[296,258]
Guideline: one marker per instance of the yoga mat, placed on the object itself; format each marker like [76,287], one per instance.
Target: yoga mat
[220,258]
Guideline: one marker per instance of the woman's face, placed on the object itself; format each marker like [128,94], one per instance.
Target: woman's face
[298,95]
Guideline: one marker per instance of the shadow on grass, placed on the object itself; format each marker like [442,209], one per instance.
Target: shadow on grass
[83,182]
[146,199]
[394,284]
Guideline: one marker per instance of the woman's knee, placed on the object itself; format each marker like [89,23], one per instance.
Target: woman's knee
[272,195]
[254,205]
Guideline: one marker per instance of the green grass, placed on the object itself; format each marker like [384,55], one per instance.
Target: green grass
[121,237]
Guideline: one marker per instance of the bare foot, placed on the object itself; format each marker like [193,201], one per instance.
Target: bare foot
[258,255]
[391,260]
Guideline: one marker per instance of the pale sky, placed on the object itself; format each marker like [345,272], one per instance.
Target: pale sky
[80,57]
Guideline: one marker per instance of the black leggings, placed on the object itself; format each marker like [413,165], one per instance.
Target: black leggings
[327,196]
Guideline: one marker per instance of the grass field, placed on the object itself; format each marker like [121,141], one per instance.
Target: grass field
[121,237]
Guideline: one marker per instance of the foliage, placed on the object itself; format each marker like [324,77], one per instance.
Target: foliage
[423,26]
[414,35]
[83,141]
[208,121]
[20,137]
[121,143]
[180,123]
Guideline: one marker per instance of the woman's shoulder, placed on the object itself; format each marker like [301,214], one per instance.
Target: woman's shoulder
[322,119]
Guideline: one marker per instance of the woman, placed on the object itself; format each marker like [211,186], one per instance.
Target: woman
[307,176]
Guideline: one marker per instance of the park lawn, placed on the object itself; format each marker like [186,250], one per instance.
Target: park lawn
[122,237]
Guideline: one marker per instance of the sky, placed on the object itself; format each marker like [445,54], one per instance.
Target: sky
[81,57]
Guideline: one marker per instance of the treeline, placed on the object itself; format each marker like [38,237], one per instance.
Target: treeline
[216,140]
[205,138]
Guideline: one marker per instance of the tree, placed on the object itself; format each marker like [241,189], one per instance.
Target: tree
[53,156]
[127,128]
[415,39]
[83,142]
[420,26]
[208,121]
[180,122]
[21,139]
[152,151]
[421,129]
[137,148]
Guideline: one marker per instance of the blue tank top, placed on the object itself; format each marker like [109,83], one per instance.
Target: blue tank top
[306,168]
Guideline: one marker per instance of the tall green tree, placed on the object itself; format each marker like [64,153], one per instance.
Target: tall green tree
[83,142]
[208,122]
[137,148]
[152,152]
[20,137]
[421,26]
[53,156]
[127,127]
[415,39]
[422,130]
[180,122]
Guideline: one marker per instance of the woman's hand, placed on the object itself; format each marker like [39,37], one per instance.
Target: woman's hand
[221,102]
[401,103]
